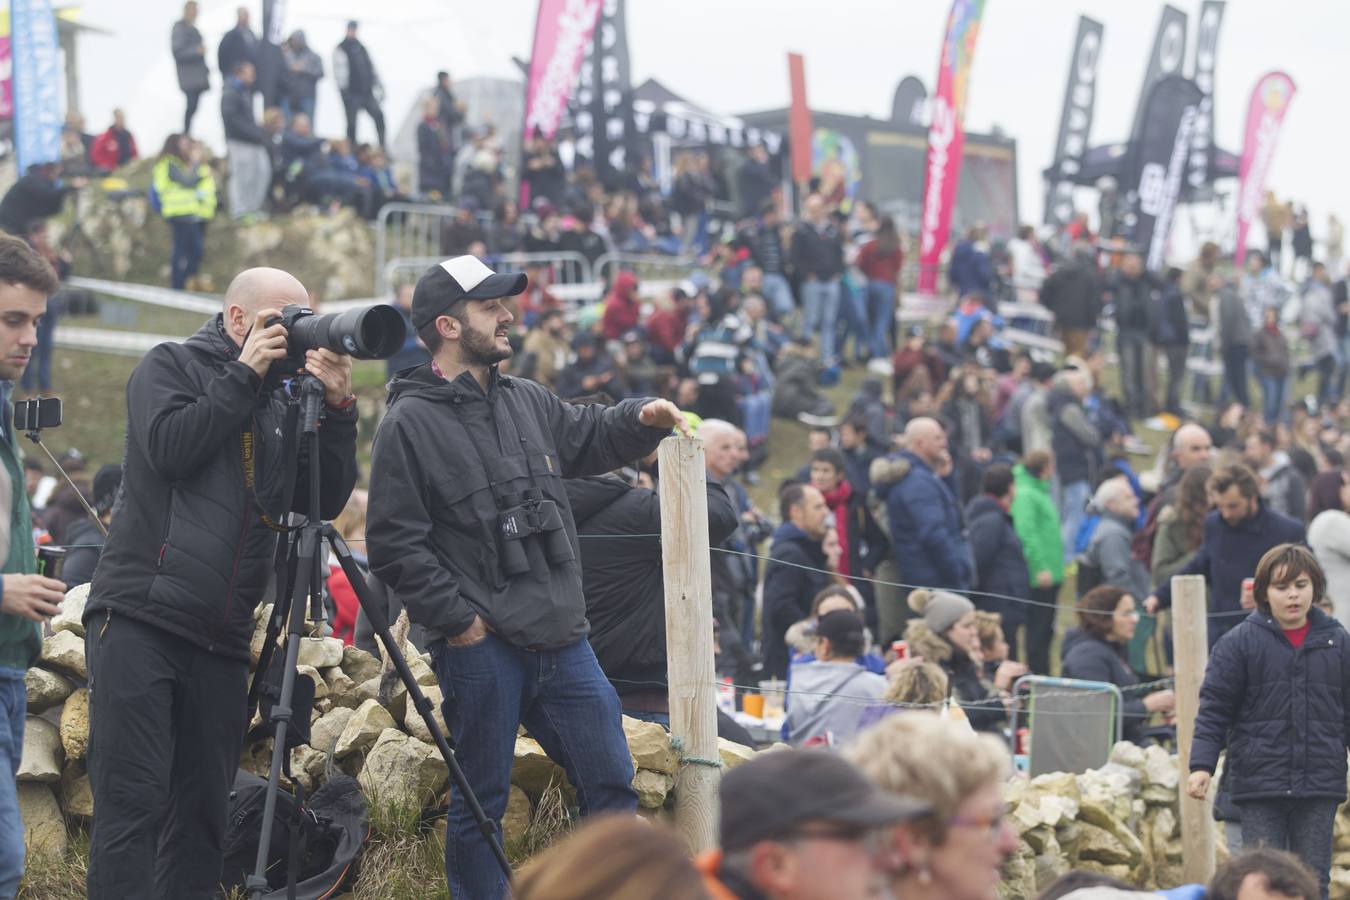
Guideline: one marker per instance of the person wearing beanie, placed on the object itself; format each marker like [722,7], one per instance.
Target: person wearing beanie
[946,634]
[831,691]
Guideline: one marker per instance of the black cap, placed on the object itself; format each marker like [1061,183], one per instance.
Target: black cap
[106,482]
[460,278]
[841,626]
[774,793]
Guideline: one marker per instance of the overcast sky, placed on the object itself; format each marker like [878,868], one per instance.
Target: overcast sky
[729,56]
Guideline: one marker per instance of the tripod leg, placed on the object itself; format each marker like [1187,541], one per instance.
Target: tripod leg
[307,551]
[379,620]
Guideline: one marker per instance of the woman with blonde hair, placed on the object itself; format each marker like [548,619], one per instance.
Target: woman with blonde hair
[612,858]
[956,852]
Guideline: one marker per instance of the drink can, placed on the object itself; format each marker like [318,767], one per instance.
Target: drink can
[900,649]
[1249,584]
[49,561]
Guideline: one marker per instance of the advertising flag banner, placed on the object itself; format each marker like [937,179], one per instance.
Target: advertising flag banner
[1156,169]
[946,137]
[1206,52]
[36,84]
[1265,114]
[562,30]
[1169,52]
[799,120]
[1075,122]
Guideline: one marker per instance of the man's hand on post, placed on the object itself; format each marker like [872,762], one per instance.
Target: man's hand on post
[265,343]
[334,370]
[35,597]
[664,414]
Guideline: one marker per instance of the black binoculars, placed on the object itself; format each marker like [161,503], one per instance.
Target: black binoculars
[527,515]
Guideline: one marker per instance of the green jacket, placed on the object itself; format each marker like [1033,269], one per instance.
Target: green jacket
[1170,552]
[1036,521]
[20,638]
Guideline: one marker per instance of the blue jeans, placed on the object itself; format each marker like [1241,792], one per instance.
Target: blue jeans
[566,704]
[779,294]
[1273,391]
[854,301]
[881,316]
[755,409]
[1073,503]
[189,241]
[820,313]
[13,709]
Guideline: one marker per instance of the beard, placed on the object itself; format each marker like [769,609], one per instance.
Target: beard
[479,349]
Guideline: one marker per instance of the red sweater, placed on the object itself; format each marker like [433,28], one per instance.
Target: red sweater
[880,267]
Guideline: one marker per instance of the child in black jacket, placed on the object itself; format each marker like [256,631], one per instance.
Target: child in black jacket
[1275,695]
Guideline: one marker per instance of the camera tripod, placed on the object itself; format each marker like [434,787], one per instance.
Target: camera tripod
[300,567]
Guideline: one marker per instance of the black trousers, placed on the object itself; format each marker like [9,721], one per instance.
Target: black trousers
[353,104]
[192,98]
[166,726]
[1041,628]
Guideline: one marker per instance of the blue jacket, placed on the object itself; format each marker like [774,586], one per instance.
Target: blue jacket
[930,548]
[789,590]
[970,270]
[1281,712]
[1229,554]
[1000,564]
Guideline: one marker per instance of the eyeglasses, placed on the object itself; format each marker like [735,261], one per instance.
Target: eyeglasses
[991,825]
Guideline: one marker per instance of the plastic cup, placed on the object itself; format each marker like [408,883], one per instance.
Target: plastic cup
[753,705]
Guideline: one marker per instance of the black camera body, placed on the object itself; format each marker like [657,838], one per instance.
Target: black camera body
[373,332]
[525,516]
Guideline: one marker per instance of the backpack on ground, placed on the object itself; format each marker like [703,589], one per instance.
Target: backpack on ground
[326,834]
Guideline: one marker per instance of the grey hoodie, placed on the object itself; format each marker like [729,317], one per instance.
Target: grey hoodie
[828,698]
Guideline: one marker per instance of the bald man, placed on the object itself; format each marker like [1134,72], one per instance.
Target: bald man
[170,612]
[926,536]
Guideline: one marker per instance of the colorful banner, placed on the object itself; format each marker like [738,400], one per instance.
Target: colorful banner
[1206,52]
[1265,115]
[1075,122]
[799,120]
[946,138]
[1169,52]
[6,79]
[1156,169]
[562,30]
[36,83]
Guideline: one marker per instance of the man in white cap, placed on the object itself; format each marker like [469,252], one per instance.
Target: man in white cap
[471,529]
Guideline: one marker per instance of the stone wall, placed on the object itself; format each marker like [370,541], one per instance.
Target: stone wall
[362,725]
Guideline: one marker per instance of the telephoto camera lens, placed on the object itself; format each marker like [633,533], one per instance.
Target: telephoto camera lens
[375,332]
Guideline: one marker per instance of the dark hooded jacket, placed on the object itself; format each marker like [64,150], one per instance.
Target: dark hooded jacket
[1281,712]
[188,550]
[446,458]
[1000,564]
[622,575]
[925,528]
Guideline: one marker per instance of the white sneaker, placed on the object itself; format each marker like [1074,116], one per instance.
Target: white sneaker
[881,366]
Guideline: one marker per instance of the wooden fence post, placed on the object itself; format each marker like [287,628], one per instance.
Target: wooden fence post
[689,638]
[1190,642]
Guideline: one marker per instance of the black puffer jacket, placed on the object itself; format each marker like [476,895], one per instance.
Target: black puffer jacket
[795,573]
[622,574]
[1282,713]
[187,550]
[445,453]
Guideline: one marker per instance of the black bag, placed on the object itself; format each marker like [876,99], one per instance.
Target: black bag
[330,830]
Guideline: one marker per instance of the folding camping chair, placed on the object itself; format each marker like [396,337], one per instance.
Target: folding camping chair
[1072,724]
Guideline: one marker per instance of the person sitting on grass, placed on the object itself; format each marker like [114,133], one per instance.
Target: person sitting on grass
[1275,696]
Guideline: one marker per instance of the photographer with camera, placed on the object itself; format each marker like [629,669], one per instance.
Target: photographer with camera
[26,599]
[170,613]
[471,528]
